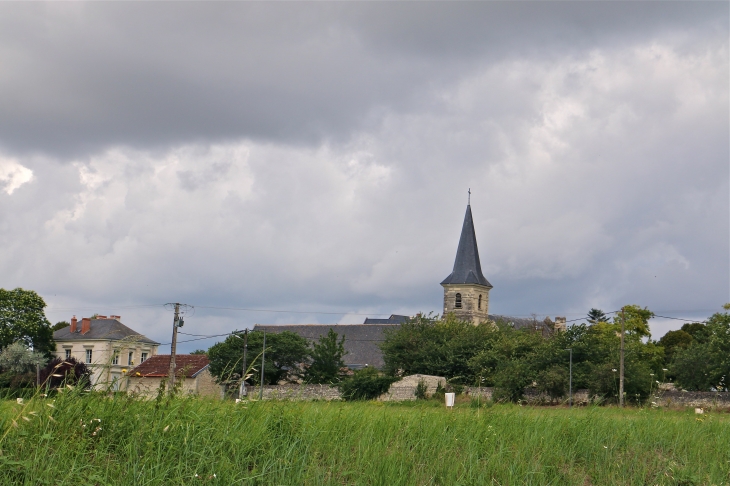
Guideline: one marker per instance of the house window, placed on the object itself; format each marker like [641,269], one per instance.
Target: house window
[480,302]
[130,358]
[89,355]
[115,358]
[458,301]
[68,354]
[143,358]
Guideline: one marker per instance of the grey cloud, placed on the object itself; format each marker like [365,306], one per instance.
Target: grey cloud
[80,77]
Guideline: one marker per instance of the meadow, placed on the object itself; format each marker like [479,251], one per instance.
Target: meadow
[91,439]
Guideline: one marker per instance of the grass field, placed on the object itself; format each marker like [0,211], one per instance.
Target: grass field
[91,439]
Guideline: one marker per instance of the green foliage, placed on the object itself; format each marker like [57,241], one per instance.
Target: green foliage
[365,384]
[22,319]
[596,316]
[430,346]
[421,392]
[553,381]
[60,325]
[200,351]
[511,379]
[673,341]
[17,358]
[705,364]
[285,352]
[327,364]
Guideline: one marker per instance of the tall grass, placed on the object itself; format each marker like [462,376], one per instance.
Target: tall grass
[86,438]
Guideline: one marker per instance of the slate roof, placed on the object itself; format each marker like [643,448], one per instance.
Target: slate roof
[158,366]
[106,329]
[361,340]
[467,267]
[393,319]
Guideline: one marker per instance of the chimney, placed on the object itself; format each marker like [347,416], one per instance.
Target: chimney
[85,325]
[560,324]
[73,324]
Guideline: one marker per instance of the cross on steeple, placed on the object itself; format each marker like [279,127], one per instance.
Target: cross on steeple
[468,201]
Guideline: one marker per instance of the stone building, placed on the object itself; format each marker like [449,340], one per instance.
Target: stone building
[466,291]
[108,347]
[192,371]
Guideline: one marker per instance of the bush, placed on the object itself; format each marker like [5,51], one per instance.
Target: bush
[60,372]
[421,390]
[365,384]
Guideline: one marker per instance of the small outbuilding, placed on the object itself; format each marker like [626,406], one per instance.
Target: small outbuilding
[192,372]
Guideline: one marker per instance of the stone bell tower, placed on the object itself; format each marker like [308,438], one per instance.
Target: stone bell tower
[466,291]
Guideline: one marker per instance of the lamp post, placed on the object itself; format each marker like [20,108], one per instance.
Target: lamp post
[570,375]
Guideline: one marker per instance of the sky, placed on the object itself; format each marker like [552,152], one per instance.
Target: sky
[310,162]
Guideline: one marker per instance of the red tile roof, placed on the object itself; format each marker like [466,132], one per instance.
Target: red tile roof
[159,365]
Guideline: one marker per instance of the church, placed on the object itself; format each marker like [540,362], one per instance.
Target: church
[466,296]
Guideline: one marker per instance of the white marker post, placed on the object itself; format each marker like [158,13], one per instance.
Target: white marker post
[450,398]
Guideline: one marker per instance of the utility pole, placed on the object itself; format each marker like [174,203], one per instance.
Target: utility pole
[570,386]
[263,357]
[242,392]
[173,347]
[621,364]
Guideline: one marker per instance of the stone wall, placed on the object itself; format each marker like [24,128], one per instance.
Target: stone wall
[296,392]
[679,398]
[405,388]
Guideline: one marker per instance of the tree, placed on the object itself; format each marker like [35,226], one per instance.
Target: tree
[60,372]
[200,351]
[365,384]
[22,319]
[327,364]
[428,345]
[596,315]
[59,325]
[672,341]
[286,352]
[18,359]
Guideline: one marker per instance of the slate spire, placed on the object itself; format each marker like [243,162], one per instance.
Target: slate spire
[467,268]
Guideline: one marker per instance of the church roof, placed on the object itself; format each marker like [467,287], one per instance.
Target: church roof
[467,268]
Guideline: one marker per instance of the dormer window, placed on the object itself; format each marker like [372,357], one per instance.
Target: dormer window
[480,302]
[457,304]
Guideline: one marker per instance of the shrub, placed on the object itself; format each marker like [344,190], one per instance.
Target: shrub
[365,384]
[421,390]
[69,371]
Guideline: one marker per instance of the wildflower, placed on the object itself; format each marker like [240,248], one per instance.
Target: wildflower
[605,447]
[19,400]
[665,369]
[614,370]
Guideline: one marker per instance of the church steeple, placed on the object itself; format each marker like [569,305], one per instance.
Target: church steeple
[467,267]
[466,290]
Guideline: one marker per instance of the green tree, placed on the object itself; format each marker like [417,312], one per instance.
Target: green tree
[431,346]
[286,352]
[553,381]
[698,331]
[22,319]
[673,341]
[365,384]
[327,363]
[597,315]
[18,359]
[59,325]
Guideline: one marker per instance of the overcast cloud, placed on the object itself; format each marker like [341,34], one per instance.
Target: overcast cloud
[316,156]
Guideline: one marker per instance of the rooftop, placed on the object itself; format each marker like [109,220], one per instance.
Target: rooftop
[158,366]
[105,329]
[467,267]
